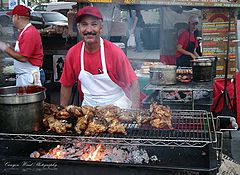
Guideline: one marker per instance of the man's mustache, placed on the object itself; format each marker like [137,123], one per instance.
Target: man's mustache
[89,33]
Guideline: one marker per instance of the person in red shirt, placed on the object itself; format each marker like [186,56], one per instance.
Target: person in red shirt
[101,69]
[28,51]
[187,44]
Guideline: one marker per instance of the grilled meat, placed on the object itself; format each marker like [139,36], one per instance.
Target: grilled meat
[81,124]
[116,127]
[141,119]
[109,114]
[45,122]
[62,114]
[104,114]
[93,120]
[161,123]
[96,125]
[59,126]
[58,112]
[126,116]
[88,110]
[47,108]
[50,109]
[160,110]
[161,116]
[110,108]
[75,111]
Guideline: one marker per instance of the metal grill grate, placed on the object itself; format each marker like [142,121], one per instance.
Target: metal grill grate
[190,129]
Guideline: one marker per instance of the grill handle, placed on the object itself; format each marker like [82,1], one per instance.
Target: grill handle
[226,123]
[218,146]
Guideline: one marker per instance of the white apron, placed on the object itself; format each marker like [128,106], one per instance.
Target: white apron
[100,90]
[26,73]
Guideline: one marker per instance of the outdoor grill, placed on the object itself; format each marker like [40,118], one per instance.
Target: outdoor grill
[193,145]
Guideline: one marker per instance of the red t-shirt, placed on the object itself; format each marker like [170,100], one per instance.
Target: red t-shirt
[183,40]
[30,45]
[118,67]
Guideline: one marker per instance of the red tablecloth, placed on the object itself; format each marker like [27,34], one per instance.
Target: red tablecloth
[218,90]
[238,97]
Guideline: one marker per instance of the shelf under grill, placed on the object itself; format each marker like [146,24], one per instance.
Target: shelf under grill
[190,129]
[193,86]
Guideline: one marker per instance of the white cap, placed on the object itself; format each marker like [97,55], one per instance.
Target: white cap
[193,19]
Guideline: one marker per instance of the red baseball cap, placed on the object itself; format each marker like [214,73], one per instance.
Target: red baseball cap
[20,10]
[89,10]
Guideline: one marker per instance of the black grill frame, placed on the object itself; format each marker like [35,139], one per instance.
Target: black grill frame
[193,146]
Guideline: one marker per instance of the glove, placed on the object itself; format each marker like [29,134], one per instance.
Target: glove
[3,46]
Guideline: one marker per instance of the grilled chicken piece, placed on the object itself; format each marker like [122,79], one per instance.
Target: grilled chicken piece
[97,125]
[116,127]
[81,124]
[76,111]
[109,119]
[110,108]
[141,119]
[88,110]
[160,109]
[161,123]
[89,120]
[161,116]
[59,126]
[58,111]
[103,113]
[109,114]
[125,116]
[45,122]
[154,107]
[47,108]
[50,109]
[106,112]
[62,114]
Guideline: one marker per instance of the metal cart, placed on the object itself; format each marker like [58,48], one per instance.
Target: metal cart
[192,103]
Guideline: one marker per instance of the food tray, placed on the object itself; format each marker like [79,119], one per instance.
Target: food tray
[199,104]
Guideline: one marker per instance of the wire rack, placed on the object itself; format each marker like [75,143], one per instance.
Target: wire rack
[193,86]
[190,129]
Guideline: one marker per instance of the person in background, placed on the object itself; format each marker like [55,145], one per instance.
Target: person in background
[42,76]
[59,67]
[72,24]
[102,70]
[188,43]
[28,51]
[138,24]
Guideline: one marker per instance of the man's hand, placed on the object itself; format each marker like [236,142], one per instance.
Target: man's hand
[193,56]
[135,94]
[3,46]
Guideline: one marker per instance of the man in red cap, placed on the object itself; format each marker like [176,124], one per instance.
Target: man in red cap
[188,43]
[28,51]
[102,70]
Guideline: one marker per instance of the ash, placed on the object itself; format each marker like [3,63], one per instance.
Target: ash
[126,155]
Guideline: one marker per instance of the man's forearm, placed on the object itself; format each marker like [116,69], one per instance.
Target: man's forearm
[135,94]
[183,51]
[15,55]
[65,94]
[4,47]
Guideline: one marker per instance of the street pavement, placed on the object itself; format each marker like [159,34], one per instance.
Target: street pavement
[231,146]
